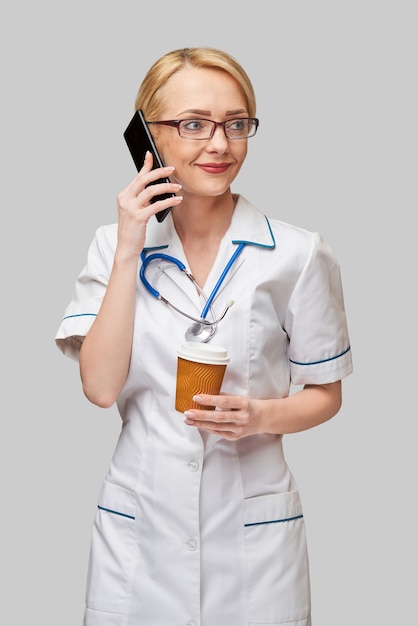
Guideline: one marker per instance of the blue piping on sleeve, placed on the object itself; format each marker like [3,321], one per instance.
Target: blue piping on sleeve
[337,356]
[67,317]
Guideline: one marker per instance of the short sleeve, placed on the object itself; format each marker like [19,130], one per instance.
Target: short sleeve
[88,294]
[319,348]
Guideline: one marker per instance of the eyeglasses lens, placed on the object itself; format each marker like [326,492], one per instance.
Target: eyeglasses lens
[240,128]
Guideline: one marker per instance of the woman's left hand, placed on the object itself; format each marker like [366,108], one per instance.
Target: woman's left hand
[238,416]
[235,416]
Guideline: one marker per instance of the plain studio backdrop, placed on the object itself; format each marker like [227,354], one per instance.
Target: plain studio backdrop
[336,153]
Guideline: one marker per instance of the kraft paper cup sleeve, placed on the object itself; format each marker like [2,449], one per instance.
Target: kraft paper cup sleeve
[199,370]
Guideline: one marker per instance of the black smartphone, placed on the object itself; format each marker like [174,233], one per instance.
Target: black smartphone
[139,140]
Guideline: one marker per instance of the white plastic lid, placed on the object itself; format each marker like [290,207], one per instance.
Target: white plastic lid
[203,352]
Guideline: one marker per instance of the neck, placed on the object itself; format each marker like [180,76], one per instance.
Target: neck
[201,227]
[203,221]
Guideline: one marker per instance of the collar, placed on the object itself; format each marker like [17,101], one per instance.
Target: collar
[248,226]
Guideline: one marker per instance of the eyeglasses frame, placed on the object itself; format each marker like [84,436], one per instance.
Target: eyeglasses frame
[176,124]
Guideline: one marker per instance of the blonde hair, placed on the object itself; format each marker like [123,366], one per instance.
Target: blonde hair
[150,96]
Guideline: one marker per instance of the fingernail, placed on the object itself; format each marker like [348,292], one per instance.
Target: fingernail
[189,414]
[197,398]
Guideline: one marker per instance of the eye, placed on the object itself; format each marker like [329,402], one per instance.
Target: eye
[193,126]
[238,125]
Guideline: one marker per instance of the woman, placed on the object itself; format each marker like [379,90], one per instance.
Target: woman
[199,520]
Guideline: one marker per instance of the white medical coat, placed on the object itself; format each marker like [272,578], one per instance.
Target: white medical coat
[192,529]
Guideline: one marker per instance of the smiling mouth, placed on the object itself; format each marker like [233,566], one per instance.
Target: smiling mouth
[214,168]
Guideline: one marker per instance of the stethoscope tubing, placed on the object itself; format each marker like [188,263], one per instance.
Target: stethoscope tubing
[146,260]
[221,279]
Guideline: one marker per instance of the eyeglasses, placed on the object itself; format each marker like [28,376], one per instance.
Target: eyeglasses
[240,128]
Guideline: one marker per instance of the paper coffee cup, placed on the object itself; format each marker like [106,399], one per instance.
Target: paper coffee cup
[200,369]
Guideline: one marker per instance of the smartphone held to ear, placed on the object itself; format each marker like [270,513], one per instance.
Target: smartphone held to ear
[139,140]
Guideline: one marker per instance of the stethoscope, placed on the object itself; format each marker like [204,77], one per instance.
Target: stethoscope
[202,329]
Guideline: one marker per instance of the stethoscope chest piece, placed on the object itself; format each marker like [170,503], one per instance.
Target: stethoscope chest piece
[199,331]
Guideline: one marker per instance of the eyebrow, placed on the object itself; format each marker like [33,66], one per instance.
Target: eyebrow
[202,112]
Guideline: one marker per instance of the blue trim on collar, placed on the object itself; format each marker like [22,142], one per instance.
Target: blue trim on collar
[155,248]
[255,243]
[247,221]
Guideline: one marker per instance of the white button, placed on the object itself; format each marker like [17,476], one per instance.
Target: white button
[192,622]
[191,544]
[193,465]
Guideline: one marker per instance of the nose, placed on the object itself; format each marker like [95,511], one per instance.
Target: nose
[219,140]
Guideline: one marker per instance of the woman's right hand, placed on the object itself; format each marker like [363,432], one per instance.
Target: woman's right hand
[106,350]
[135,207]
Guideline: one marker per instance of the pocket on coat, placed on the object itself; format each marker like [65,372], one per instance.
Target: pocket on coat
[277,559]
[112,551]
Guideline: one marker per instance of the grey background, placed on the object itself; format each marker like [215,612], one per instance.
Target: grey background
[336,152]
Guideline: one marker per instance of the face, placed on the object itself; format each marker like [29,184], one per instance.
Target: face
[203,167]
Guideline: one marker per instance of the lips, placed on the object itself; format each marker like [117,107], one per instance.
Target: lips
[214,168]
